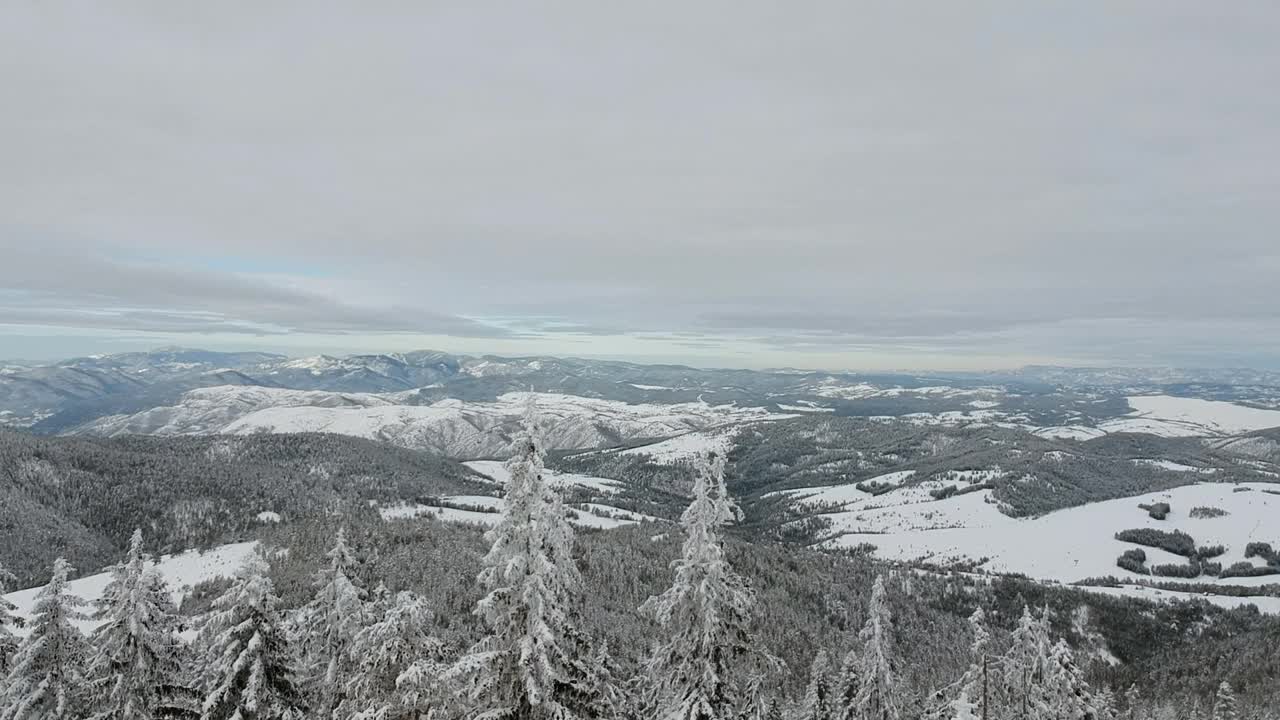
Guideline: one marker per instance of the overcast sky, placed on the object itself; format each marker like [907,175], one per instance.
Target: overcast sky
[840,185]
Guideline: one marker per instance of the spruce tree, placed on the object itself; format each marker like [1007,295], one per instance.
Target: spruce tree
[253,677]
[706,614]
[46,680]
[1224,703]
[136,661]
[1068,695]
[327,628]
[1025,666]
[819,695]
[398,663]
[533,662]
[848,687]
[879,697]
[8,622]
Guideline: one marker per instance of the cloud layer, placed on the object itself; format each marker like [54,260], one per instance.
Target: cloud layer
[1079,181]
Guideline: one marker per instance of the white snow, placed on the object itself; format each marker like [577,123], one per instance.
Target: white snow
[805,408]
[267,516]
[1068,432]
[1067,545]
[1173,466]
[182,571]
[497,470]
[457,428]
[1190,417]
[638,386]
[595,515]
[687,446]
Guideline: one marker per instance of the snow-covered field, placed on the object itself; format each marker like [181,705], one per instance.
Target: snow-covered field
[497,470]
[182,571]
[595,515]
[1064,546]
[687,446]
[1190,417]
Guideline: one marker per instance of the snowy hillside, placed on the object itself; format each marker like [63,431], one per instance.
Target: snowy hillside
[181,571]
[454,427]
[589,515]
[909,524]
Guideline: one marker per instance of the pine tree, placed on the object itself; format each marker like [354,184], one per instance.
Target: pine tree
[533,661]
[879,697]
[818,696]
[136,660]
[398,663]
[253,673]
[46,681]
[706,614]
[8,641]
[328,626]
[1224,703]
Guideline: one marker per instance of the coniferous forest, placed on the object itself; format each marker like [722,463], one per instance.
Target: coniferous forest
[345,616]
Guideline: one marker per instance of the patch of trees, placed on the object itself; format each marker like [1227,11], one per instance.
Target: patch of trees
[1134,560]
[1204,512]
[1158,511]
[1176,541]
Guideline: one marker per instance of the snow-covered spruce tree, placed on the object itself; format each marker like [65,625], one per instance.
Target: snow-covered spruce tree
[848,687]
[1224,703]
[136,664]
[706,613]
[1025,665]
[327,626]
[962,708]
[878,698]
[1068,694]
[8,641]
[533,663]
[253,675]
[1132,704]
[46,681]
[397,663]
[817,703]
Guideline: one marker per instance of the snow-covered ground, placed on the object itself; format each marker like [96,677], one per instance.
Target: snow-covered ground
[497,470]
[595,515]
[1190,417]
[182,571]
[1173,466]
[687,446]
[455,427]
[1065,546]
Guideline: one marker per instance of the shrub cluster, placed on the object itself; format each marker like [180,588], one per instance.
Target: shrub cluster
[1203,512]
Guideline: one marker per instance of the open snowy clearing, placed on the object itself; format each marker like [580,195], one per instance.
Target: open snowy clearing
[1190,417]
[497,470]
[595,515]
[181,571]
[685,447]
[1065,546]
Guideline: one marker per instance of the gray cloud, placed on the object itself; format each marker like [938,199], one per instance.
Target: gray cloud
[63,289]
[994,174]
